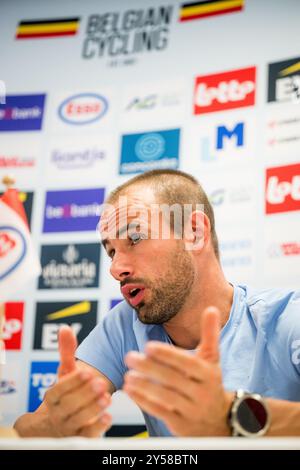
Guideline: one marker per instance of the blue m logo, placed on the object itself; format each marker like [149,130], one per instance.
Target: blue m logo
[237,132]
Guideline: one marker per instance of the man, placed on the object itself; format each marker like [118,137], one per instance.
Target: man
[168,268]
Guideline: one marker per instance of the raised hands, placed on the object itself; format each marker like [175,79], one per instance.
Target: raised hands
[184,390]
[76,404]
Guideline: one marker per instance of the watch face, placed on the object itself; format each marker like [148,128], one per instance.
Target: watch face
[252,415]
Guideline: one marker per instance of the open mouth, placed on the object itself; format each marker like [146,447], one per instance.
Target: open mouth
[133,294]
[137,296]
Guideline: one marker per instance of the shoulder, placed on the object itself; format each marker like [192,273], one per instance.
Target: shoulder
[275,309]
[273,297]
[276,313]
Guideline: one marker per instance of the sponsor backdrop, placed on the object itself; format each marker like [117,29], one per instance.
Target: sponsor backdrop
[97,92]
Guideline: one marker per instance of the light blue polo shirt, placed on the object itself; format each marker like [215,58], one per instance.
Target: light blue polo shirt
[260,345]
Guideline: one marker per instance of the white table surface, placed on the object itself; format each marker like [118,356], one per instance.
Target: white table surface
[73,443]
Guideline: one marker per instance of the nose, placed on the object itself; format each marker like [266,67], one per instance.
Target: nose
[120,267]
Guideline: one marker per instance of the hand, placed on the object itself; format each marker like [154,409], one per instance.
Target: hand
[183,390]
[77,402]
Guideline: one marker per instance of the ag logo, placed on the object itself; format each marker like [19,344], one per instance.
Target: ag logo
[217,197]
[147,102]
[50,316]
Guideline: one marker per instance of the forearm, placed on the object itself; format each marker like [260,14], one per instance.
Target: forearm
[285,418]
[35,425]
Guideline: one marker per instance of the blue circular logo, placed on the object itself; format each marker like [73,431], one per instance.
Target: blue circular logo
[150,147]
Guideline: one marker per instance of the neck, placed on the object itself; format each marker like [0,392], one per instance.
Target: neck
[185,328]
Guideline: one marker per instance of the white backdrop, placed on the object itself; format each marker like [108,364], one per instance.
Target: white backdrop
[205,99]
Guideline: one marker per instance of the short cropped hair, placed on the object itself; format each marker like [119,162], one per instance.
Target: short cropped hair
[172,187]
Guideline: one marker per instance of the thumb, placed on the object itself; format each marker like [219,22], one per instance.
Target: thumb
[67,344]
[210,334]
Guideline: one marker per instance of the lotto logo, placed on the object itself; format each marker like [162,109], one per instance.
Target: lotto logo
[218,92]
[13,325]
[283,189]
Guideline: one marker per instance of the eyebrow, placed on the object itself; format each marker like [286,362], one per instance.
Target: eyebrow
[122,230]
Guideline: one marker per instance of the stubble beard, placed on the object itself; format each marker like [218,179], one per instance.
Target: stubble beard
[170,293]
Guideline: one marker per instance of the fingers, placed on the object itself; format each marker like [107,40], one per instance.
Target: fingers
[182,361]
[98,427]
[87,416]
[67,384]
[210,334]
[76,402]
[162,373]
[136,382]
[67,344]
[160,410]
[73,402]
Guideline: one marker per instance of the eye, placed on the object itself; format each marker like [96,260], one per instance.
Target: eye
[111,253]
[136,237]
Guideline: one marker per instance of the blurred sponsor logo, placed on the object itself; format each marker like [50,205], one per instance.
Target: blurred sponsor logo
[155,100]
[7,387]
[223,133]
[70,266]
[134,31]
[83,108]
[13,325]
[74,210]
[236,253]
[50,316]
[73,160]
[283,189]
[228,90]
[277,250]
[283,131]
[284,81]
[42,376]
[226,139]
[22,113]
[151,150]
[15,161]
[238,195]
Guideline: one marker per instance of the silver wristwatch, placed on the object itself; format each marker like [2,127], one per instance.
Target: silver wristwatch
[249,415]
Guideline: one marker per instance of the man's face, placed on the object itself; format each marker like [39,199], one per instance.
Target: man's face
[155,273]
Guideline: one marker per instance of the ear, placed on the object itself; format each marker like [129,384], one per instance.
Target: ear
[196,231]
